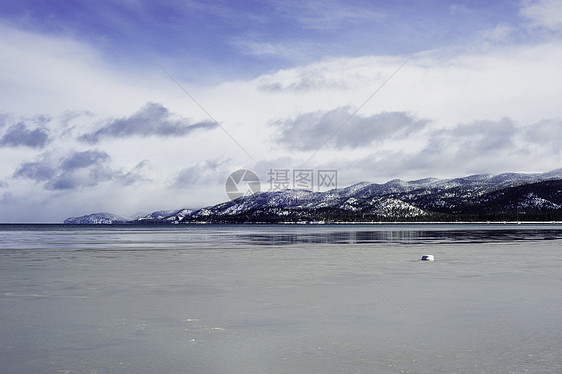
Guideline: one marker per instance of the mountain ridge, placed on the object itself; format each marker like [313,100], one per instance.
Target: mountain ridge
[507,196]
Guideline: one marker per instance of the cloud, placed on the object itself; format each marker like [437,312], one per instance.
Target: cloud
[483,136]
[500,33]
[306,80]
[207,172]
[328,15]
[475,147]
[266,48]
[20,135]
[69,118]
[483,146]
[75,171]
[37,171]
[546,132]
[543,13]
[335,74]
[302,31]
[467,146]
[84,159]
[458,9]
[152,119]
[309,131]
[8,199]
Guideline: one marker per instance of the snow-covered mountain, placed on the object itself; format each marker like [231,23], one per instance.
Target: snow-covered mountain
[96,218]
[476,197]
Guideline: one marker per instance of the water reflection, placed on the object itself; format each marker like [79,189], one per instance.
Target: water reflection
[132,237]
[408,236]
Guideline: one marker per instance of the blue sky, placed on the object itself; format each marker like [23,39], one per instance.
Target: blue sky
[132,106]
[232,39]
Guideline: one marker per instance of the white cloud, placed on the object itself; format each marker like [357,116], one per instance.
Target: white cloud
[499,34]
[458,8]
[543,13]
[253,47]
[48,74]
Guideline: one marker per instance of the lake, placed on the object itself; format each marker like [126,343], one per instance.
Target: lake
[281,299]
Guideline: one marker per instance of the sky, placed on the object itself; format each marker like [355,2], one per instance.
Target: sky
[134,106]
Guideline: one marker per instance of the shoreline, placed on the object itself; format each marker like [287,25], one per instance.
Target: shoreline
[303,223]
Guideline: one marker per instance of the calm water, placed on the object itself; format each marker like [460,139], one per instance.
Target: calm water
[281,299]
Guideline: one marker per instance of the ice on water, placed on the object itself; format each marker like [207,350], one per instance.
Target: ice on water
[281,299]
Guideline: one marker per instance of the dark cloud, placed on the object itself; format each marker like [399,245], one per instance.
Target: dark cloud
[69,181]
[151,120]
[20,135]
[83,159]
[309,131]
[75,171]
[37,171]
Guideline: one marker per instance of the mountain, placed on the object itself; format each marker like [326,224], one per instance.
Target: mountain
[482,197]
[96,218]
[163,216]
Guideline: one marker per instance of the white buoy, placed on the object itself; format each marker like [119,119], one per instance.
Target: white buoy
[428,258]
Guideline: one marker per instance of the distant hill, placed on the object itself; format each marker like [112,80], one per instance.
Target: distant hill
[96,218]
[504,197]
